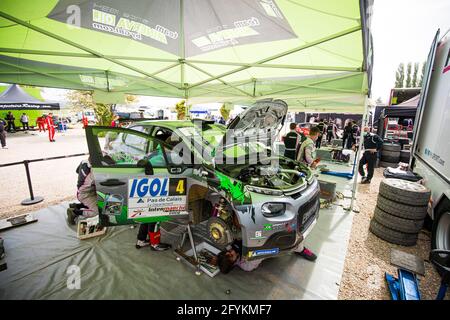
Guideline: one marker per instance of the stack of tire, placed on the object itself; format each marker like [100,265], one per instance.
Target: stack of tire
[400,212]
[390,155]
[404,156]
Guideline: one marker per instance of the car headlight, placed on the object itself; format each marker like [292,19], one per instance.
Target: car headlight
[273,209]
[271,192]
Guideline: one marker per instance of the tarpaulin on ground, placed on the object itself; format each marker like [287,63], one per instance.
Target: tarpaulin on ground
[42,257]
[315,54]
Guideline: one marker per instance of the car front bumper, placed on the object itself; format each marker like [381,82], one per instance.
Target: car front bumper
[270,236]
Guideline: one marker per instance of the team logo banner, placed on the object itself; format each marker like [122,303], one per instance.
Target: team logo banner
[154,197]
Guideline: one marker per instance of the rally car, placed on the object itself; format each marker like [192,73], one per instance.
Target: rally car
[224,177]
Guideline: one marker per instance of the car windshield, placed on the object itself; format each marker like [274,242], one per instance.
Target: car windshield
[210,136]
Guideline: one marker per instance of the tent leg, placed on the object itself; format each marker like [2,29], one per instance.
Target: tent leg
[358,153]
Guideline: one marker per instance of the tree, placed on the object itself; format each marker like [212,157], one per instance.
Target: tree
[415,74]
[225,111]
[180,108]
[422,71]
[408,75]
[82,100]
[400,76]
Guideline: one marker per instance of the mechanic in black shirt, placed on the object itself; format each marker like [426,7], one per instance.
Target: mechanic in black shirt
[321,127]
[291,141]
[372,144]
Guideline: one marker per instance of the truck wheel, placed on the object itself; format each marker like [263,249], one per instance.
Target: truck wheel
[401,210]
[392,236]
[392,154]
[385,164]
[391,147]
[405,156]
[396,223]
[406,192]
[390,159]
[440,234]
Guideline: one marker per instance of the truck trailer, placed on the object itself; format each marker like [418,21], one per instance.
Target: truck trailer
[431,142]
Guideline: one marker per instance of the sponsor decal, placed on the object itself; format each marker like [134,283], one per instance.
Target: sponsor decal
[153,197]
[258,235]
[263,252]
[267,227]
[434,156]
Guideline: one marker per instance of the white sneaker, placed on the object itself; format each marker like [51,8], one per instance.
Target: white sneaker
[141,244]
[5,147]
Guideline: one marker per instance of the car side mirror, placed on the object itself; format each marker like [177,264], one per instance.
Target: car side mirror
[145,163]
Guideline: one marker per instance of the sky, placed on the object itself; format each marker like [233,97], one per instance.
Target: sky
[402,31]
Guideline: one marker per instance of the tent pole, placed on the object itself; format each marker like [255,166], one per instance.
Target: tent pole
[358,153]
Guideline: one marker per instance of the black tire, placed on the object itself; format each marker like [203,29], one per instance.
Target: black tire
[390,159]
[392,236]
[405,153]
[388,164]
[441,210]
[391,147]
[396,223]
[406,192]
[439,239]
[401,210]
[393,154]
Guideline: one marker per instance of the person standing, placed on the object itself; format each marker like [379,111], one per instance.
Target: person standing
[3,134]
[372,144]
[50,127]
[331,131]
[41,123]
[10,119]
[24,121]
[154,237]
[321,127]
[291,141]
[307,152]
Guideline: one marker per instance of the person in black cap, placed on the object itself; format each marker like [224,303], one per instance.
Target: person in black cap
[372,144]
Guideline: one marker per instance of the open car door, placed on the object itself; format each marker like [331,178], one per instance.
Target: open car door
[136,177]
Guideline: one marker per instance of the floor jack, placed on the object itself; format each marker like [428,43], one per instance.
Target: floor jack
[192,261]
[405,287]
[348,175]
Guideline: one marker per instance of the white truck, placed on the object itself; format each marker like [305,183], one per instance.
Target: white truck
[431,143]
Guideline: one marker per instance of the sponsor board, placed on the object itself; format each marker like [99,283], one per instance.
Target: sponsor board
[154,197]
[263,252]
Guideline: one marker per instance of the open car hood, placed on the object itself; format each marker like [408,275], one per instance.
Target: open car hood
[262,121]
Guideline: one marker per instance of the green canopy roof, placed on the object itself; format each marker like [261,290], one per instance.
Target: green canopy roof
[314,54]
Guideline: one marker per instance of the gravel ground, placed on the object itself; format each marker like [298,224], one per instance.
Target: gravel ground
[55,180]
[368,257]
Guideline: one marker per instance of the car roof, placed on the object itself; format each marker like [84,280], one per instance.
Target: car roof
[171,124]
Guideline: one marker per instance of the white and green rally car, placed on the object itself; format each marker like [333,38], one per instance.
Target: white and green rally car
[226,177]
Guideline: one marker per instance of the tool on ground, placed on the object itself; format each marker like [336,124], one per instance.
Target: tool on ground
[405,287]
[17,221]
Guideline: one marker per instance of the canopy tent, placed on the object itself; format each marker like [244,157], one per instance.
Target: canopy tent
[413,102]
[15,98]
[316,55]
